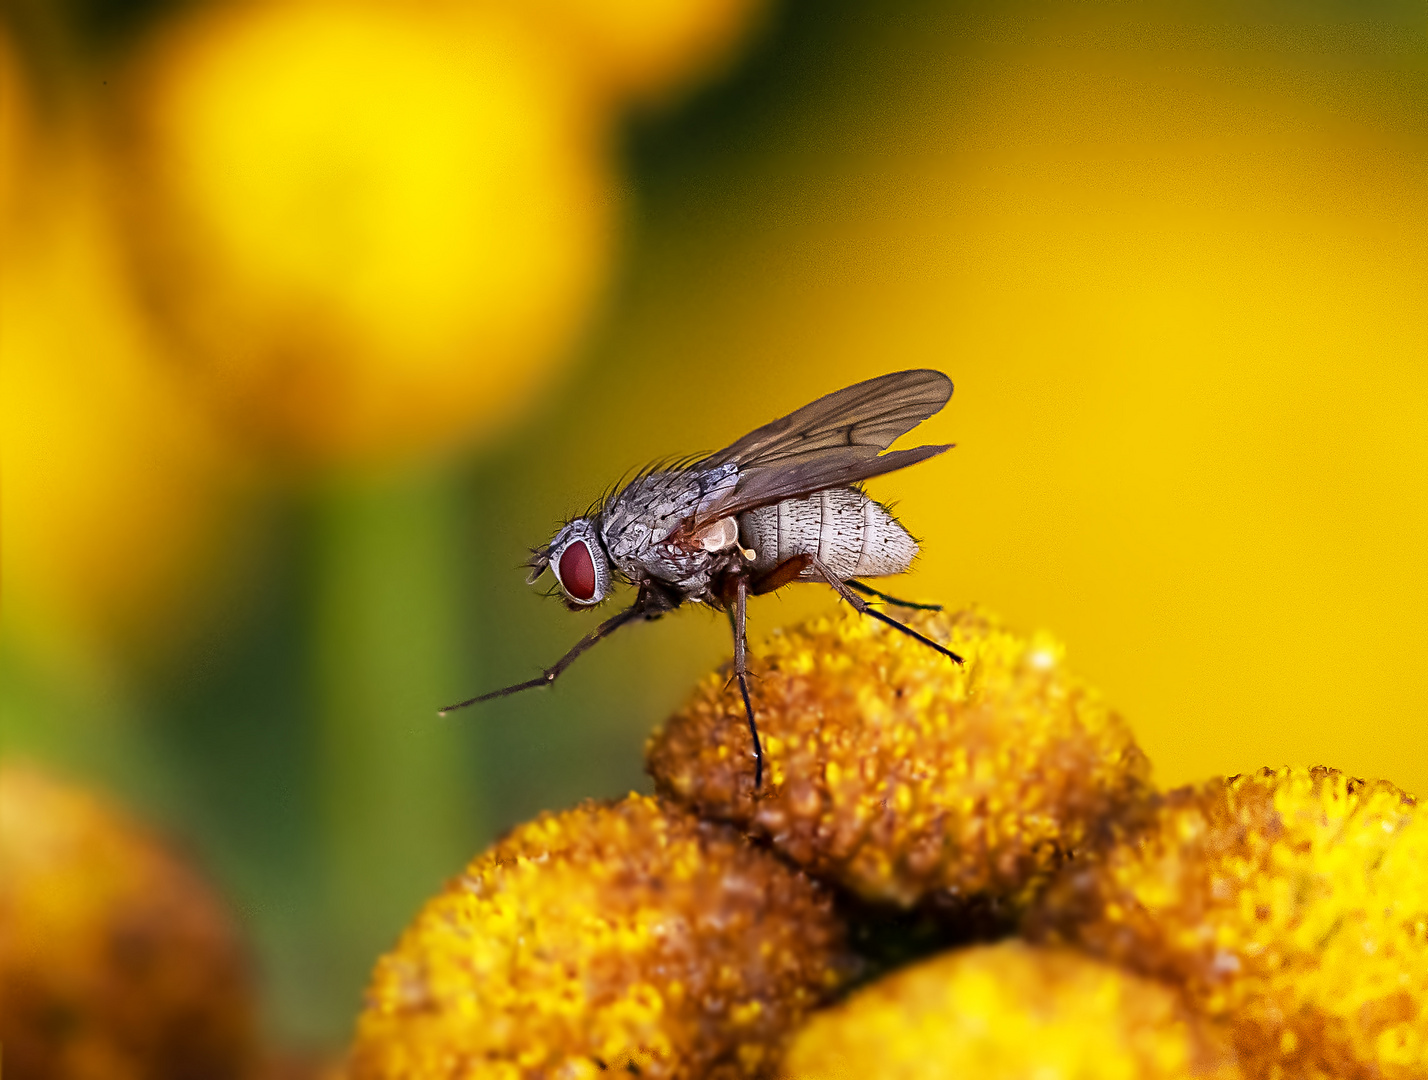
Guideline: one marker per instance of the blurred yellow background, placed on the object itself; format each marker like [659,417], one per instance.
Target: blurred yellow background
[317,316]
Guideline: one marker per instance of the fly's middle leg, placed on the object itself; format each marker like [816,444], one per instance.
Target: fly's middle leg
[860,605]
[739,618]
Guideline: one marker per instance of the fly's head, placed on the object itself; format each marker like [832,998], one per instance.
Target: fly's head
[577,559]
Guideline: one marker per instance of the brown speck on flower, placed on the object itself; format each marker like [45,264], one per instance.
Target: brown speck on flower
[115,959]
[625,937]
[1010,1012]
[900,775]
[1291,903]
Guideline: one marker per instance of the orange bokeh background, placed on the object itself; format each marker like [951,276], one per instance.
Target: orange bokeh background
[317,316]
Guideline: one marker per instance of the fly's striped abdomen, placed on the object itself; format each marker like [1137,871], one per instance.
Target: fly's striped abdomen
[850,533]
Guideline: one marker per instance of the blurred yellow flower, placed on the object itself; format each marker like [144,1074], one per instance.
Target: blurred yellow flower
[116,491]
[1009,1012]
[116,961]
[373,228]
[901,775]
[626,936]
[643,48]
[1292,903]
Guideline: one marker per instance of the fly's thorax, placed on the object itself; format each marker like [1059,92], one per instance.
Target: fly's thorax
[580,564]
[650,509]
[849,533]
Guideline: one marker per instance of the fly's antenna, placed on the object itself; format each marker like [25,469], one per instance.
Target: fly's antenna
[537,563]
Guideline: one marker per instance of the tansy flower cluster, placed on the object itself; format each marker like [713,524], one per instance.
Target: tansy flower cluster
[116,960]
[1010,1010]
[1260,927]
[628,936]
[903,777]
[1291,905]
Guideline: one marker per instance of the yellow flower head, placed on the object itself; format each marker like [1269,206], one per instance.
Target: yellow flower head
[625,936]
[1293,903]
[899,774]
[115,960]
[373,230]
[1008,1012]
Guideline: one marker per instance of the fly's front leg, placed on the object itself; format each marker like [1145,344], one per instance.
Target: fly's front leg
[550,674]
[739,617]
[862,606]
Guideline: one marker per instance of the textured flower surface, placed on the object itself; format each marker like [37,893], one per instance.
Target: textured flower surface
[900,775]
[1291,902]
[626,936]
[1009,1012]
[116,962]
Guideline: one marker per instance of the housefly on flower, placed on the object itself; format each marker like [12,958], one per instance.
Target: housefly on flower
[779,506]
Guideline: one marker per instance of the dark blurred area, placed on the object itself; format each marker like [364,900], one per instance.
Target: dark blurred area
[318,316]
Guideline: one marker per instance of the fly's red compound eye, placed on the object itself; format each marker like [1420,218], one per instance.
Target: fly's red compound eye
[577,571]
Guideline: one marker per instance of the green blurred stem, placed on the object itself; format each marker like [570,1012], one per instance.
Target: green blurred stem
[401,813]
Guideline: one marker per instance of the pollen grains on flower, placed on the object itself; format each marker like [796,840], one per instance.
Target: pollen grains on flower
[1292,903]
[1009,1012]
[116,960]
[900,775]
[627,936]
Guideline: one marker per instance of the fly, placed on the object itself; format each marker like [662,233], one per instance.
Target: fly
[779,506]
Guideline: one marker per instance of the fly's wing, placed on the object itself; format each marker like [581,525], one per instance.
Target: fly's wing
[866,416]
[836,441]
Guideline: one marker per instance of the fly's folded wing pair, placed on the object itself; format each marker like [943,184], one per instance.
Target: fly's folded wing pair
[834,442]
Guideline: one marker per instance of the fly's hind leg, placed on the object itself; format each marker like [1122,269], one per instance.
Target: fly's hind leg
[861,605]
[867,591]
[785,573]
[738,616]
